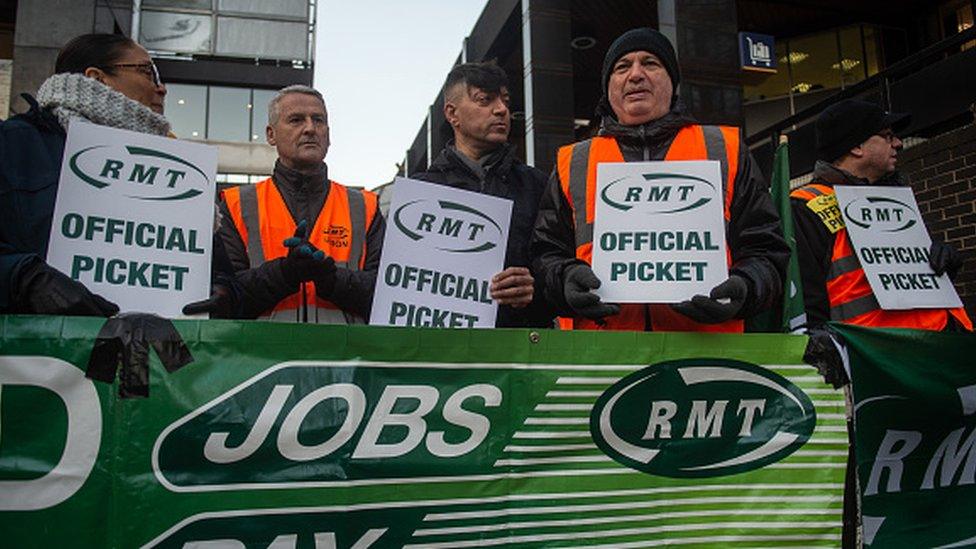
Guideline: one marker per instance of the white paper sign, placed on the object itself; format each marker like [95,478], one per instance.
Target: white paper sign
[442,247]
[134,218]
[892,244]
[659,232]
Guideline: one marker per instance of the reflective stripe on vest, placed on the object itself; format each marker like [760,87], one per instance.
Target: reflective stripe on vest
[576,166]
[849,292]
[264,222]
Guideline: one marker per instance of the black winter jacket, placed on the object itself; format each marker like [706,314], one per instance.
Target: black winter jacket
[505,176]
[754,234]
[265,285]
[31,146]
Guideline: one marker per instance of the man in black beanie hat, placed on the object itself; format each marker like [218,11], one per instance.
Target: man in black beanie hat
[642,120]
[856,145]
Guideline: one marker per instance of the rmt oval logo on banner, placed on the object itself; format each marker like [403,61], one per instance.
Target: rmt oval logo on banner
[447,226]
[881,213]
[658,193]
[701,418]
[143,173]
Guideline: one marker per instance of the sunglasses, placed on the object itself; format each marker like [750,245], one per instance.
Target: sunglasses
[149,70]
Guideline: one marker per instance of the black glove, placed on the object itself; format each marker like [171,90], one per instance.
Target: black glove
[42,289]
[822,354]
[222,303]
[305,262]
[579,281]
[709,310]
[944,258]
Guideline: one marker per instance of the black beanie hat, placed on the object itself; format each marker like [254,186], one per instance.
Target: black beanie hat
[848,123]
[642,39]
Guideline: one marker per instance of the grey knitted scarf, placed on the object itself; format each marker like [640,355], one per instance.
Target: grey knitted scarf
[77,96]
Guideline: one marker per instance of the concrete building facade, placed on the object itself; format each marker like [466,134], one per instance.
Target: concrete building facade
[222,61]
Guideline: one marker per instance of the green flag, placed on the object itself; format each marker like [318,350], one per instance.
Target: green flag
[794,314]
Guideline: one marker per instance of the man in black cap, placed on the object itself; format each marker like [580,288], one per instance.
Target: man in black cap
[856,145]
[481,160]
[643,120]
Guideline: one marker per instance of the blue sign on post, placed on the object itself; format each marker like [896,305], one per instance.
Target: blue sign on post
[756,52]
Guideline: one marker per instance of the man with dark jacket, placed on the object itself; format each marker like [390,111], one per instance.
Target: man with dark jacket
[480,159]
[642,120]
[856,145]
[305,248]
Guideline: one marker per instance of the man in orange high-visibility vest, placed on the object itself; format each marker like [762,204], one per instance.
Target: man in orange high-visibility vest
[305,248]
[642,120]
[857,145]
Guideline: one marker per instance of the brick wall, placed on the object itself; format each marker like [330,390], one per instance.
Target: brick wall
[943,173]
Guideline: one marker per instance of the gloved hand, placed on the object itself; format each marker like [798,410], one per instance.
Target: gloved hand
[222,303]
[42,289]
[305,262]
[579,280]
[710,310]
[944,258]
[822,354]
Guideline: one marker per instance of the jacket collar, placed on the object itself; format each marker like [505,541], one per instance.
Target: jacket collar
[299,181]
[832,175]
[654,134]
[498,161]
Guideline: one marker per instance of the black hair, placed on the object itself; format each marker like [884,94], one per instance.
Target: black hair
[92,50]
[485,76]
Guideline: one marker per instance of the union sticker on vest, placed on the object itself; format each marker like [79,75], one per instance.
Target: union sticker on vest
[825,206]
[659,232]
[892,245]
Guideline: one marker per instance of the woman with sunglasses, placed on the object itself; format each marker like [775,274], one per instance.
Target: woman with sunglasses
[101,78]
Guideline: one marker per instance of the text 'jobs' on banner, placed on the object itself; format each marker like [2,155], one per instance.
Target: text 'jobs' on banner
[441,248]
[134,217]
[892,244]
[658,233]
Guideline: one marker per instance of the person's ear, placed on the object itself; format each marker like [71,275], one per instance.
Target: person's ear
[269,135]
[450,114]
[96,74]
[857,152]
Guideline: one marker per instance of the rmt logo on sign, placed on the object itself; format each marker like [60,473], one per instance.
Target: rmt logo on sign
[701,418]
[147,173]
[450,227]
[881,213]
[660,193]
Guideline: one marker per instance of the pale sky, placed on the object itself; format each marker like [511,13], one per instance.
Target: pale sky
[380,64]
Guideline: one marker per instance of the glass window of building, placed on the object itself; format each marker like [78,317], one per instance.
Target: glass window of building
[871,48]
[812,59]
[851,64]
[292,8]
[262,38]
[229,116]
[770,86]
[177,32]
[186,110]
[192,4]
[259,114]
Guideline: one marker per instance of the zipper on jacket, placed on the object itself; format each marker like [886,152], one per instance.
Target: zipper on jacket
[647,150]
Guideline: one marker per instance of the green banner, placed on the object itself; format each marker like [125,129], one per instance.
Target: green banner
[288,435]
[915,436]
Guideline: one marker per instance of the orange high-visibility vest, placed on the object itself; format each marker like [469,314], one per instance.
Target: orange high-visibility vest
[851,299]
[264,222]
[576,166]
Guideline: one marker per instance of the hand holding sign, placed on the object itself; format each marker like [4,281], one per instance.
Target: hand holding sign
[514,286]
[45,290]
[944,259]
[713,309]
[580,280]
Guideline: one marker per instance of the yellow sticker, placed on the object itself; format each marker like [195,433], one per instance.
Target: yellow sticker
[825,206]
